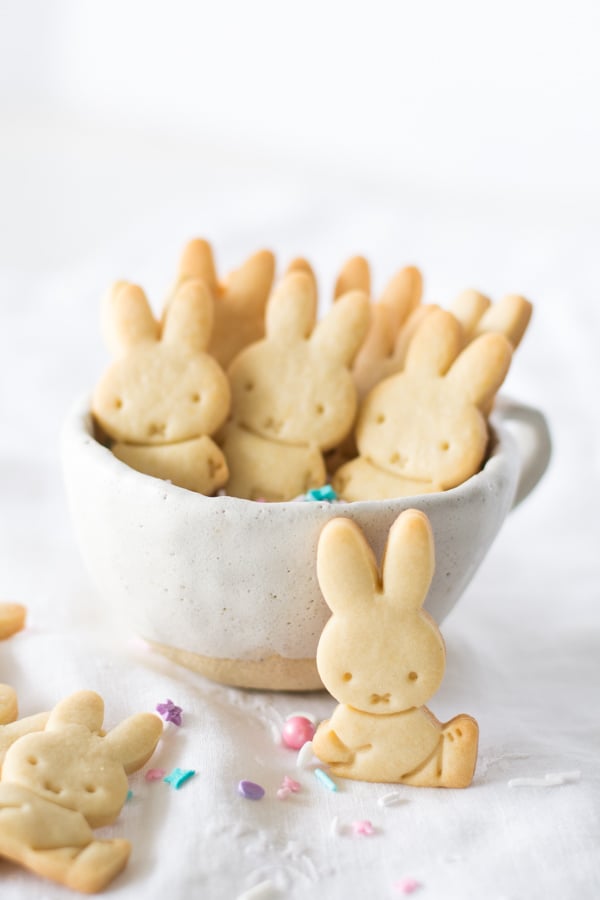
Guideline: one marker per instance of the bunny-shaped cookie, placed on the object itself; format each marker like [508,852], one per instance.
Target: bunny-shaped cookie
[293,395]
[164,395]
[382,656]
[58,784]
[240,299]
[423,429]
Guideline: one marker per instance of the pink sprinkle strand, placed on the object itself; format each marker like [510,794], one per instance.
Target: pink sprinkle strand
[170,712]
[155,774]
[363,827]
[407,885]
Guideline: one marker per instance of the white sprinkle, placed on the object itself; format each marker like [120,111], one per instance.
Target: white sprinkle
[551,779]
[394,798]
[334,828]
[305,755]
[264,890]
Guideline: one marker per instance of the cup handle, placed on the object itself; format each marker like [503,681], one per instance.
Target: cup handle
[530,430]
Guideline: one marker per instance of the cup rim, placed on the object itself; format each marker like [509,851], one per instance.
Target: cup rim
[78,428]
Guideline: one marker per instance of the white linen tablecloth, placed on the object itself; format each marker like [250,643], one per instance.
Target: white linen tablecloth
[523,643]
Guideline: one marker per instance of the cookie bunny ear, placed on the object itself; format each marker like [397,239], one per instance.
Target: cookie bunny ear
[14,730]
[197,261]
[402,295]
[346,567]
[354,276]
[341,333]
[134,740]
[127,318]
[190,316]
[82,708]
[9,707]
[251,283]
[292,308]
[481,368]
[408,561]
[509,316]
[435,345]
[468,308]
[299,264]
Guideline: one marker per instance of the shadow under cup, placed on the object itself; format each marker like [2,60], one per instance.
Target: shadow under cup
[228,587]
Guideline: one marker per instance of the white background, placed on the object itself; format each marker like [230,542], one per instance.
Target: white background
[463,137]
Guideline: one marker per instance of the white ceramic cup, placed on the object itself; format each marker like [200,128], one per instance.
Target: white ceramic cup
[228,587]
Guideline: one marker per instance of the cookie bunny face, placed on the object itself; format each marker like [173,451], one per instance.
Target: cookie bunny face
[425,423]
[295,386]
[70,764]
[379,652]
[162,388]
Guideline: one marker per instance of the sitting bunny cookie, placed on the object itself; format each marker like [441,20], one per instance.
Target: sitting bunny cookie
[382,656]
[164,395]
[423,429]
[59,783]
[293,395]
[240,299]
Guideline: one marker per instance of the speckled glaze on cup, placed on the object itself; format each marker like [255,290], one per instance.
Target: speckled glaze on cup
[228,587]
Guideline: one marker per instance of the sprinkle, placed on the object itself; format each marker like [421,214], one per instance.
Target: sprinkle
[364,826]
[265,890]
[129,796]
[305,756]
[283,792]
[178,777]
[305,715]
[155,774]
[296,731]
[170,712]
[392,799]
[322,493]
[290,784]
[250,790]
[324,778]
[407,885]
[334,828]
[551,779]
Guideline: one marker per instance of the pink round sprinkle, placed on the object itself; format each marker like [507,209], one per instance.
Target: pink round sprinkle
[250,790]
[283,792]
[297,731]
[155,774]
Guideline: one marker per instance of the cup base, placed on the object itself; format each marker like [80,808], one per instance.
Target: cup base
[275,672]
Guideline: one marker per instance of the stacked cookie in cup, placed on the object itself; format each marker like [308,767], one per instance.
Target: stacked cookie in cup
[241,389]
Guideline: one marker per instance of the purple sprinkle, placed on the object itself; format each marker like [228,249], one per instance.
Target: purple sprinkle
[170,712]
[250,790]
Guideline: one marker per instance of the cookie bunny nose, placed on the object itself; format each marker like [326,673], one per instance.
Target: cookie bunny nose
[380,698]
